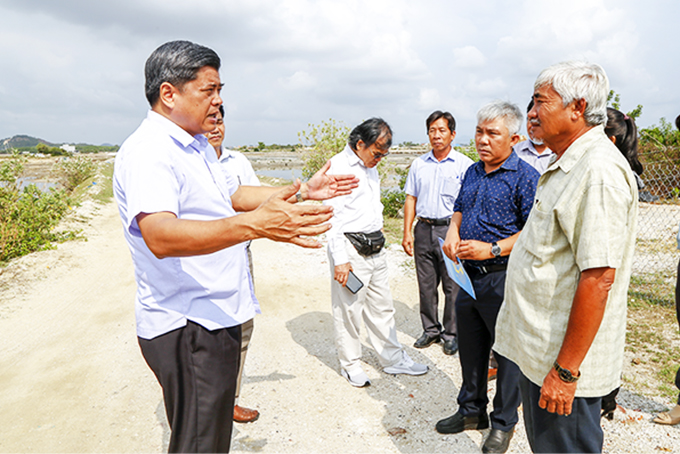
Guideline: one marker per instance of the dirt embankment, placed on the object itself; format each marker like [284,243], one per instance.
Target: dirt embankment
[73,379]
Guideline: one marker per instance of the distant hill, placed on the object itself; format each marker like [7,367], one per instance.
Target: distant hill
[28,143]
[20,141]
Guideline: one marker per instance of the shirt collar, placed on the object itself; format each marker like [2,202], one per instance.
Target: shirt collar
[578,148]
[176,132]
[226,154]
[511,163]
[430,156]
[352,157]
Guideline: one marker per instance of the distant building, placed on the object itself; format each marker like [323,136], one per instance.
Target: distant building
[68,148]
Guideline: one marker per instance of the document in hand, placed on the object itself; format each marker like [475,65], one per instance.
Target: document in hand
[457,273]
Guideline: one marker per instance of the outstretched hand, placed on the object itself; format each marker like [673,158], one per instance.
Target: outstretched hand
[279,220]
[322,186]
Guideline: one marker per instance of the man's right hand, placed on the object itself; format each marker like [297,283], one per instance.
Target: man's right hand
[279,220]
[342,272]
[407,243]
[451,244]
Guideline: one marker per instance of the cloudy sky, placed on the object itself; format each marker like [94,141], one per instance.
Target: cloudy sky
[72,70]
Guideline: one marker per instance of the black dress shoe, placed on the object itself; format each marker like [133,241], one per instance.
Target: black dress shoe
[451,346]
[498,441]
[458,423]
[426,340]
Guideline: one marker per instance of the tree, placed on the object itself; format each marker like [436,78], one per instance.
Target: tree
[614,99]
[320,142]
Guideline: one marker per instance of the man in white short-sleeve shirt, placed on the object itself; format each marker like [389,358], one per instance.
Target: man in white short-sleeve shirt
[431,188]
[178,210]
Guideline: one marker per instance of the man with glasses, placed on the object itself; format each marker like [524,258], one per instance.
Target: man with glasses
[431,189]
[355,245]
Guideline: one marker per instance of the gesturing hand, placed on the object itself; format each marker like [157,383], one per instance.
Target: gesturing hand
[279,220]
[322,186]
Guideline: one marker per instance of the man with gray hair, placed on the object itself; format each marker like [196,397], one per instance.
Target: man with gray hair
[490,211]
[564,317]
[188,244]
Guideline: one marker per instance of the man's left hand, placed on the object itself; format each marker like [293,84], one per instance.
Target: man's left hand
[474,250]
[557,396]
[322,186]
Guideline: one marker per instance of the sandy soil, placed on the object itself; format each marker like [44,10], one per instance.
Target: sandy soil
[73,379]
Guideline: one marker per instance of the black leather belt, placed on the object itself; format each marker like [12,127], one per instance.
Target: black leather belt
[435,222]
[480,270]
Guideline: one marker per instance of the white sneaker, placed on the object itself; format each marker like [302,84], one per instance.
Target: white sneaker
[357,378]
[406,366]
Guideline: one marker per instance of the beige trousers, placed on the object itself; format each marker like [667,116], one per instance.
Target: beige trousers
[373,304]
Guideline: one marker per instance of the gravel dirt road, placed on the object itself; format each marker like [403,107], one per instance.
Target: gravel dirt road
[73,379]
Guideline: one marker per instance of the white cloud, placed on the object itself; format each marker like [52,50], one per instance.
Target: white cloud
[429,99]
[468,57]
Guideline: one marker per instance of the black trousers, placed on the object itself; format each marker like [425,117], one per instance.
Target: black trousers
[431,270]
[550,432]
[197,370]
[476,334]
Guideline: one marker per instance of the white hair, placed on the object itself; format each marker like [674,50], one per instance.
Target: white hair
[509,112]
[574,80]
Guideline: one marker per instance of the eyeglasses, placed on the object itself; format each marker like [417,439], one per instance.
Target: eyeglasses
[380,155]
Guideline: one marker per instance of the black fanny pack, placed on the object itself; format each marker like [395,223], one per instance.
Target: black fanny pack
[367,243]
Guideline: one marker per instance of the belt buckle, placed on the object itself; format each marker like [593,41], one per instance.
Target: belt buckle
[483,270]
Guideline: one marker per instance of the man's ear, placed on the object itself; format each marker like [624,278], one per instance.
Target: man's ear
[167,95]
[579,108]
[514,140]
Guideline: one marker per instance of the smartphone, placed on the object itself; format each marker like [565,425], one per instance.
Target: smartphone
[353,282]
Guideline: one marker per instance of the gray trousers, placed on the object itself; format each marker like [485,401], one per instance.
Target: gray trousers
[431,271]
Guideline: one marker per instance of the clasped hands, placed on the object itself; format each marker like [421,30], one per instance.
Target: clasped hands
[456,249]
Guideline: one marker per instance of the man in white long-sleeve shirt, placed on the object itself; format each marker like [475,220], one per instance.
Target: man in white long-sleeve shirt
[355,244]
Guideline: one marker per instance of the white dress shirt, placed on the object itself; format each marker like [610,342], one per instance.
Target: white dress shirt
[236,163]
[360,211]
[161,167]
[435,184]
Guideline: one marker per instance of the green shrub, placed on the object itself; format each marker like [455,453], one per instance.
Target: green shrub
[323,141]
[27,217]
[73,171]
[392,201]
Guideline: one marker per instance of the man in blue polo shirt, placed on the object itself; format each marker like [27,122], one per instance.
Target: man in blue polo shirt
[491,210]
[431,189]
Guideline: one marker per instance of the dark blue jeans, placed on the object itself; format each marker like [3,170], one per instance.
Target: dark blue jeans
[550,432]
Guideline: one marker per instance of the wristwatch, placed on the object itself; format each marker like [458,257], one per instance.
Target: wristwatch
[565,374]
[495,249]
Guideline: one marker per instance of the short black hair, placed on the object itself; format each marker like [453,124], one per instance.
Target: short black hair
[176,62]
[369,132]
[436,115]
[221,109]
[677,122]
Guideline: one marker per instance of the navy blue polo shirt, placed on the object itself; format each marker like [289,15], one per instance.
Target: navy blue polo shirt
[496,205]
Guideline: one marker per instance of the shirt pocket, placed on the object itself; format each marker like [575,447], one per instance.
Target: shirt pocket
[538,231]
[450,189]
